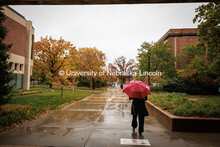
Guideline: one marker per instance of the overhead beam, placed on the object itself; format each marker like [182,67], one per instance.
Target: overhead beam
[93,2]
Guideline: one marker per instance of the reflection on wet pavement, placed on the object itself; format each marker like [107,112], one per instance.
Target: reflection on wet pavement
[99,120]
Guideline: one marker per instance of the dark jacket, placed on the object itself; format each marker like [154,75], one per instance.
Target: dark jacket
[138,106]
[121,86]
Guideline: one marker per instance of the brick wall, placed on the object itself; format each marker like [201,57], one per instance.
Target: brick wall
[16,36]
[181,42]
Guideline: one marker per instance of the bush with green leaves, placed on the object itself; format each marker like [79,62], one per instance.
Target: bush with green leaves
[196,108]
[168,101]
[178,104]
[82,81]
[5,66]
[15,91]
[178,85]
[85,82]
[158,87]
[98,83]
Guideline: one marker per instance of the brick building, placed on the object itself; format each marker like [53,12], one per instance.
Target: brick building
[179,38]
[21,36]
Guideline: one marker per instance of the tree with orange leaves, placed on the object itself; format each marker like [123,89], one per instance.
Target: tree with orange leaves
[50,55]
[37,73]
[61,81]
[88,60]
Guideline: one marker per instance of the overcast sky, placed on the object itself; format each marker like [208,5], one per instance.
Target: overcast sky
[114,29]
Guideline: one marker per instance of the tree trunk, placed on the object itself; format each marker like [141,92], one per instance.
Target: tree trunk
[51,85]
[124,79]
[62,92]
[93,83]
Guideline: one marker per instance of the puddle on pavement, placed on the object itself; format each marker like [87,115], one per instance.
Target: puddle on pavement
[86,105]
[72,119]
[44,130]
[119,107]
[96,99]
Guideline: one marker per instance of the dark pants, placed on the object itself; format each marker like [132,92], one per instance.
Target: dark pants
[141,122]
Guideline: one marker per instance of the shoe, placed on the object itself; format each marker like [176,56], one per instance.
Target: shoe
[133,129]
[140,134]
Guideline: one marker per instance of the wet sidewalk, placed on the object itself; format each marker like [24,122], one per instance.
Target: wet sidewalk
[99,120]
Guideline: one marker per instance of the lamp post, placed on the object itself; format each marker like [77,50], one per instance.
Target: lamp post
[149,54]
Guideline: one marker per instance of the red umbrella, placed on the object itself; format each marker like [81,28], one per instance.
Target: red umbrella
[136,89]
[125,85]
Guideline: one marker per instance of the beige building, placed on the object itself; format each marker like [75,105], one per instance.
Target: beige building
[21,36]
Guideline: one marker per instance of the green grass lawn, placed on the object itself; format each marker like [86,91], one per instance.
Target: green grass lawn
[43,86]
[39,86]
[213,101]
[27,107]
[50,100]
[179,104]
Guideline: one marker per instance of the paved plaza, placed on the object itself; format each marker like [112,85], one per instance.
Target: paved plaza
[100,120]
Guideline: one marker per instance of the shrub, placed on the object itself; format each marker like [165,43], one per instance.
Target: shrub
[104,83]
[5,74]
[98,83]
[178,104]
[168,101]
[26,93]
[195,108]
[82,81]
[179,85]
[157,87]
[15,91]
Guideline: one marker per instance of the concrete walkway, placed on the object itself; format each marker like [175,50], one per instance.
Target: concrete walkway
[100,120]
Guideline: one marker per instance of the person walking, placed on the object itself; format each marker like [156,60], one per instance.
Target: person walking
[138,109]
[121,85]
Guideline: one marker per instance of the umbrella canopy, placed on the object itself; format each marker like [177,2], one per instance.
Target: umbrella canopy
[136,89]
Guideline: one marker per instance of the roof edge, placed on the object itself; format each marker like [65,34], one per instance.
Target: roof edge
[14,11]
[181,32]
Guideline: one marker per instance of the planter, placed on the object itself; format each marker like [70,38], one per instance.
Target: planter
[185,124]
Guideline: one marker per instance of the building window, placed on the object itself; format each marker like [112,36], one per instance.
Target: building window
[16,66]
[21,67]
[19,81]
